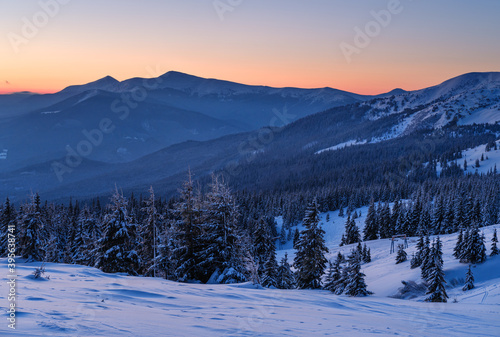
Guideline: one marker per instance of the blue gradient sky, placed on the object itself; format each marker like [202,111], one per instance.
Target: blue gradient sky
[271,42]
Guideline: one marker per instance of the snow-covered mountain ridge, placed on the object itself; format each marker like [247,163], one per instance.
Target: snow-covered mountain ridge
[200,87]
[466,99]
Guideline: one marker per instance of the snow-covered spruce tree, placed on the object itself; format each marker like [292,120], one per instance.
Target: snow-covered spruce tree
[286,278]
[250,267]
[366,256]
[148,236]
[459,246]
[91,224]
[351,232]
[359,250]
[414,218]
[328,280]
[386,227]
[79,245]
[463,246]
[425,222]
[401,256]
[406,222]
[87,234]
[263,244]
[474,249]
[494,241]
[435,279]
[414,262]
[186,232]
[469,280]
[116,248]
[370,232]
[164,262]
[395,215]
[341,284]
[7,217]
[57,240]
[437,219]
[426,257]
[417,258]
[31,230]
[333,275]
[355,285]
[341,211]
[220,257]
[310,260]
[270,273]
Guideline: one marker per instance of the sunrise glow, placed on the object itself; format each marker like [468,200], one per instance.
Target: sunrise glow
[286,43]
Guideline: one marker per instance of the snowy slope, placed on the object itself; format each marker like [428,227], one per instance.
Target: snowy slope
[83,301]
[470,98]
[342,145]
[491,159]
[384,277]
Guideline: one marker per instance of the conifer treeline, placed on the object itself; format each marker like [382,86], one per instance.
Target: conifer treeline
[440,206]
[198,237]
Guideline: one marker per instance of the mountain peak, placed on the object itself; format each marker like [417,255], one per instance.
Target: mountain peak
[473,79]
[179,76]
[107,83]
[106,79]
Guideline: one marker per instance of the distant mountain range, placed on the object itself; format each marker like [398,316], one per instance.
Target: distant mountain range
[149,114]
[178,121]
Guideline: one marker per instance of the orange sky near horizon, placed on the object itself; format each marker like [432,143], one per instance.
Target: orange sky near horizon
[284,43]
[358,82]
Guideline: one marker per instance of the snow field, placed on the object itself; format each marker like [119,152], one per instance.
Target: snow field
[84,301]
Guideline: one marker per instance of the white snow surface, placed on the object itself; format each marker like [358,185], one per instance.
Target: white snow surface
[342,145]
[471,98]
[83,301]
[491,159]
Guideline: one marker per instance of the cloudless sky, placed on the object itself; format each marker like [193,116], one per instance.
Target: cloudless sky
[268,42]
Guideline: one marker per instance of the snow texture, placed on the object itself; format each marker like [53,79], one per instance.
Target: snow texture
[84,301]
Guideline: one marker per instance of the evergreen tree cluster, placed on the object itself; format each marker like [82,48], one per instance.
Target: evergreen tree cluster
[470,246]
[197,237]
[433,207]
[433,274]
[469,280]
[401,256]
[351,234]
[344,275]
[310,260]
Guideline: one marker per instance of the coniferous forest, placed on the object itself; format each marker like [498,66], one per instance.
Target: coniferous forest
[208,233]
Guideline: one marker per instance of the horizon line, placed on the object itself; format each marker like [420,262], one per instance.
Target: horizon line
[49,92]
